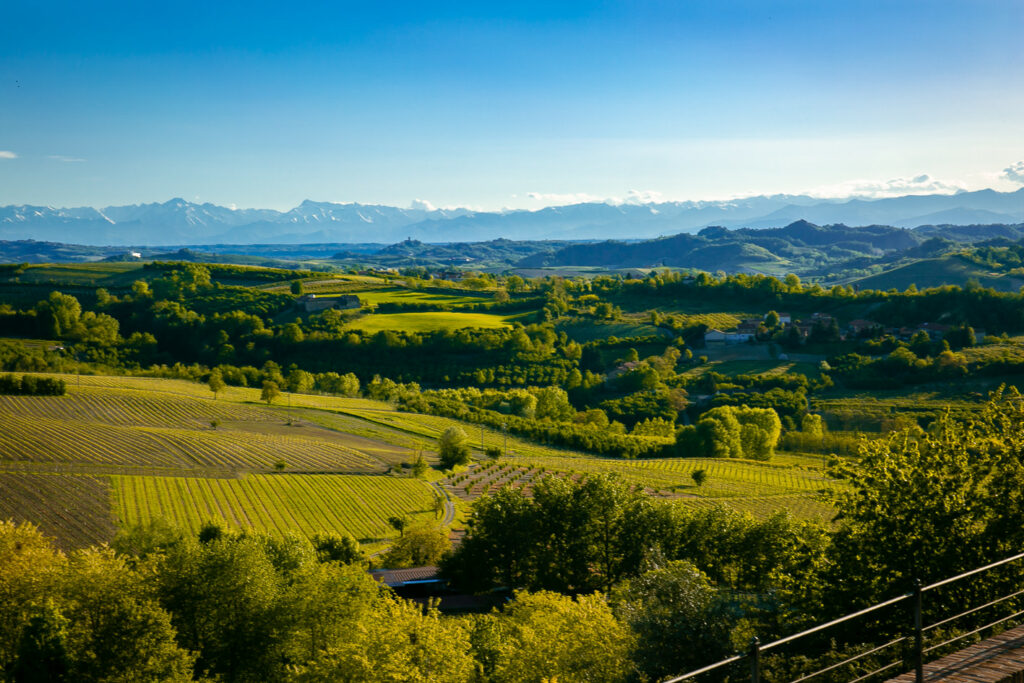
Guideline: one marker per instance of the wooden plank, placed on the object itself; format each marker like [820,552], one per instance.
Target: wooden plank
[999,659]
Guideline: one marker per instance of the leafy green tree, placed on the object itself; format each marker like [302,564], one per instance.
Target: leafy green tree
[547,636]
[322,604]
[299,381]
[225,600]
[42,655]
[499,548]
[331,548]
[553,404]
[30,570]
[699,476]
[422,545]
[296,287]
[928,505]
[216,382]
[396,640]
[139,541]
[813,425]
[438,506]
[677,618]
[116,630]
[419,466]
[270,392]
[60,314]
[399,523]
[740,432]
[292,334]
[453,447]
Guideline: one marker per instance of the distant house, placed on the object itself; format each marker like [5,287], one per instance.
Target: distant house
[716,336]
[860,326]
[737,337]
[628,366]
[411,582]
[135,254]
[423,585]
[311,302]
[931,328]
[785,318]
[744,332]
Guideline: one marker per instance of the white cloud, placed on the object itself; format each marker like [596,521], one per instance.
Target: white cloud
[894,187]
[422,205]
[1014,173]
[67,160]
[643,197]
[5,154]
[563,199]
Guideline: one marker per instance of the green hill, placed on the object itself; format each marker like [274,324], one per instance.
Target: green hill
[951,269]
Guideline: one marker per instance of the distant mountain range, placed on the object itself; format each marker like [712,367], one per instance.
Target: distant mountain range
[177,221]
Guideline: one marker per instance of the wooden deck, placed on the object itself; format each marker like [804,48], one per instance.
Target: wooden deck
[999,659]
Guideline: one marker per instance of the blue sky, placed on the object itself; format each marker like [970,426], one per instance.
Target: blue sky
[504,104]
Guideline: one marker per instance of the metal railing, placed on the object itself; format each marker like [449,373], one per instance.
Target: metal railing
[753,655]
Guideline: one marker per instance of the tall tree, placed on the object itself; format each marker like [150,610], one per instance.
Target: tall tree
[453,447]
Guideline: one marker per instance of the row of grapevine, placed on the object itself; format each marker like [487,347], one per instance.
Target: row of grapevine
[73,509]
[358,505]
[43,439]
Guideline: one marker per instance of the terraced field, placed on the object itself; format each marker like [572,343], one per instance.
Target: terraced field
[429,321]
[401,295]
[758,488]
[74,510]
[136,429]
[132,448]
[277,503]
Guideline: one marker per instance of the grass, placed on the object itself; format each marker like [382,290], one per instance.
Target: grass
[277,504]
[400,295]
[430,321]
[84,274]
[584,329]
[151,429]
[936,272]
[759,488]
[148,444]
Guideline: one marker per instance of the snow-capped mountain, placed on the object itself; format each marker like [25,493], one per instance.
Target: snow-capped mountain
[181,222]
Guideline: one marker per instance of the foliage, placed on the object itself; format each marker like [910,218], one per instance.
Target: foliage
[419,546]
[575,537]
[734,432]
[30,385]
[453,447]
[927,506]
[545,636]
[270,392]
[677,616]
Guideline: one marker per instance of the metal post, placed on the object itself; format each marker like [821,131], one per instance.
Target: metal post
[918,634]
[755,660]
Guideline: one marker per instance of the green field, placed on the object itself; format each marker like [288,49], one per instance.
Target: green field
[276,503]
[937,272]
[121,449]
[86,274]
[584,329]
[429,321]
[400,295]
